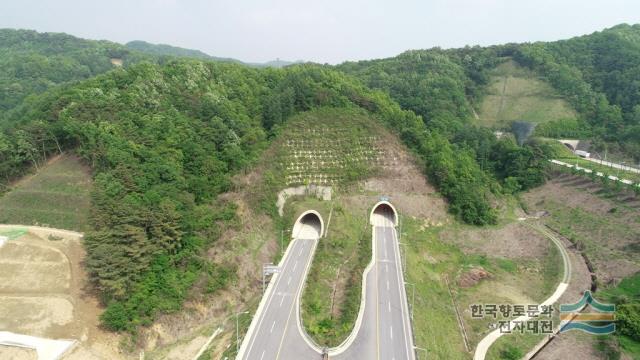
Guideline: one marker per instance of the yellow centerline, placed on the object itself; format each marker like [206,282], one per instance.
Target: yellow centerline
[377,301]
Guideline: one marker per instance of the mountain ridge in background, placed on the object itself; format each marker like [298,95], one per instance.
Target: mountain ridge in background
[170,50]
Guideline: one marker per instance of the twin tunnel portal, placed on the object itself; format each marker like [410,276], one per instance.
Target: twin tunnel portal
[383,327]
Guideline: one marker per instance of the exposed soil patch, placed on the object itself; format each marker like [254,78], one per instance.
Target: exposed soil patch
[570,345]
[472,277]
[607,230]
[14,353]
[43,294]
[512,241]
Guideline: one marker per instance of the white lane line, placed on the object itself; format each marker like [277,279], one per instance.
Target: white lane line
[300,253]
[262,357]
[268,301]
[389,305]
[403,299]
[272,326]
[387,285]
[295,265]
[391,331]
[289,281]
[281,301]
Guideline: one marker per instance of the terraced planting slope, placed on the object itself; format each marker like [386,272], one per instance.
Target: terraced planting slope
[515,93]
[330,147]
[55,196]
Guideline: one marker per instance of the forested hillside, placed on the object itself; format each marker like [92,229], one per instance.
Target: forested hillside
[163,141]
[33,62]
[600,75]
[168,50]
[442,86]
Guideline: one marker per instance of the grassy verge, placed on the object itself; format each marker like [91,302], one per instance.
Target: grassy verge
[435,325]
[430,260]
[516,93]
[331,298]
[56,196]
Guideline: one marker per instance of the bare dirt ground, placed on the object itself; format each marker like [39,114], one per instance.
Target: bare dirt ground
[608,228]
[42,293]
[570,345]
[15,353]
[512,241]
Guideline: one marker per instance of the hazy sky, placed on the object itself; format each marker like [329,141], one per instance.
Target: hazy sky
[321,30]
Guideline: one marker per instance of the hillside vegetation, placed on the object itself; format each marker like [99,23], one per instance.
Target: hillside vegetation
[55,196]
[164,140]
[168,50]
[599,75]
[33,62]
[164,137]
[516,94]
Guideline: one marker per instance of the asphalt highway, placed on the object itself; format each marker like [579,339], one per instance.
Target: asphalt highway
[383,332]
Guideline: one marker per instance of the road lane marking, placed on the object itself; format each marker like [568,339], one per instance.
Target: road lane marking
[387,285]
[295,265]
[403,302]
[296,294]
[289,281]
[281,301]
[389,305]
[272,326]
[391,331]
[267,303]
[262,357]
[377,314]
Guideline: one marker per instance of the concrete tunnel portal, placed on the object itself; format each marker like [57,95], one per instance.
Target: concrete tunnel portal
[383,210]
[308,226]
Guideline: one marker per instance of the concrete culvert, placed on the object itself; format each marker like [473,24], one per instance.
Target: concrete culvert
[308,226]
[383,214]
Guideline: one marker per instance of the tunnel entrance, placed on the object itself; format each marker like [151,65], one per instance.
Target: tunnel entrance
[308,226]
[383,213]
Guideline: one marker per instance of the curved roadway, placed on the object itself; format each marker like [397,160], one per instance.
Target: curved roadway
[487,341]
[382,330]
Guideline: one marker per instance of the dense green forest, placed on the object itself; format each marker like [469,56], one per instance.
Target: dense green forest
[600,75]
[164,135]
[441,86]
[33,62]
[163,141]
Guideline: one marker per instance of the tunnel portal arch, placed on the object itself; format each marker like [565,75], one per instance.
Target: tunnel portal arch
[308,224]
[384,208]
